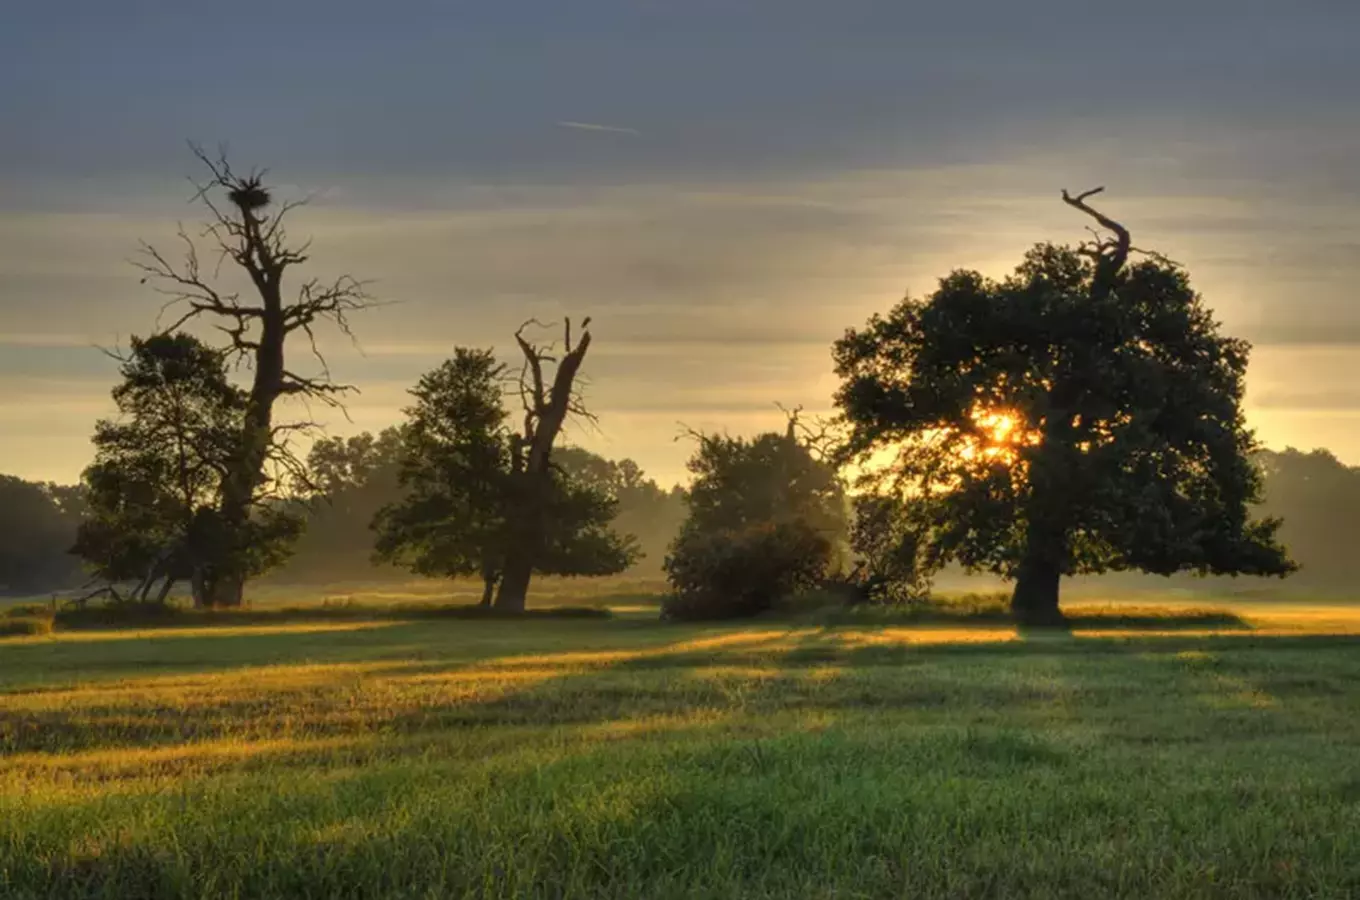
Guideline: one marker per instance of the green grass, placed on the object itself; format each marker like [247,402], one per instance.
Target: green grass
[626,758]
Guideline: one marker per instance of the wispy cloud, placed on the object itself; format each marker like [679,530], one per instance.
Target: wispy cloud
[591,126]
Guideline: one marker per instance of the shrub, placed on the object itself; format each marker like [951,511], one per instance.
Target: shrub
[120,615]
[734,573]
[28,611]
[11,626]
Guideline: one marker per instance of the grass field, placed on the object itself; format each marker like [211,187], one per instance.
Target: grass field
[628,758]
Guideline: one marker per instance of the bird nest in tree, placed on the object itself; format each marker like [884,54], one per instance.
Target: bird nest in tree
[249,194]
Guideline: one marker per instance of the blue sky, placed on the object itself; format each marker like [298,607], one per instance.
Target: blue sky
[769,173]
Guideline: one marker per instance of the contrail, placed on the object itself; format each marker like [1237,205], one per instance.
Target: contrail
[590,126]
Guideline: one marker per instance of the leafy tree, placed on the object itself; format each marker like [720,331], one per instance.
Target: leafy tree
[1081,415]
[643,508]
[548,395]
[351,480]
[773,477]
[155,485]
[38,525]
[1317,498]
[887,548]
[462,473]
[765,519]
[246,227]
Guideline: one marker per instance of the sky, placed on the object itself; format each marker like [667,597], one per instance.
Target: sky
[724,187]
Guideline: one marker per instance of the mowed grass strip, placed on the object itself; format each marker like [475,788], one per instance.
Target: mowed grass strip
[632,759]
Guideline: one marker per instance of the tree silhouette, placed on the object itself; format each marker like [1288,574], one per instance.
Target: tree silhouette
[154,489]
[466,492]
[766,518]
[548,396]
[38,525]
[247,228]
[1081,415]
[643,508]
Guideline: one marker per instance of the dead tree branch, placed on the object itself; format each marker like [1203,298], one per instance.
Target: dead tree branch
[1108,253]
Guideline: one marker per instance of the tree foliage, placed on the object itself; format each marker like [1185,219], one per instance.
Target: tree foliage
[1080,415]
[351,479]
[765,519]
[247,227]
[1317,499]
[155,485]
[38,525]
[461,471]
[644,509]
[739,572]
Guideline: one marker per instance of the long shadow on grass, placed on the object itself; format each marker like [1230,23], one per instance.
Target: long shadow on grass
[406,696]
[735,671]
[129,655]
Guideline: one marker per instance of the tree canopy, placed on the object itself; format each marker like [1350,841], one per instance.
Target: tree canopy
[766,518]
[351,479]
[461,468]
[644,509]
[157,477]
[1081,415]
[38,525]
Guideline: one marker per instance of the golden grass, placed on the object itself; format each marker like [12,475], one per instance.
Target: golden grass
[625,758]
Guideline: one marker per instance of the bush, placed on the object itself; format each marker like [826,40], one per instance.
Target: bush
[729,574]
[116,615]
[28,611]
[11,626]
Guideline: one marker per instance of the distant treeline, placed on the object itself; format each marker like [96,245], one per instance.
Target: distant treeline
[1316,495]
[354,478]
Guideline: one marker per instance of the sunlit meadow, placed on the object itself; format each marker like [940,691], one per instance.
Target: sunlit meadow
[799,756]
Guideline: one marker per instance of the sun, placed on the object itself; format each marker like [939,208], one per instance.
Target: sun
[999,435]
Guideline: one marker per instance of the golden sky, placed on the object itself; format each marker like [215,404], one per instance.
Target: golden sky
[722,188]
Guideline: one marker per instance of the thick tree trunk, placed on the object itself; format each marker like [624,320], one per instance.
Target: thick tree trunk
[226,591]
[226,586]
[514,591]
[523,552]
[1035,600]
[546,411]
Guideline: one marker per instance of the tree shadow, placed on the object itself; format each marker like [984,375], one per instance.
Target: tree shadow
[410,684]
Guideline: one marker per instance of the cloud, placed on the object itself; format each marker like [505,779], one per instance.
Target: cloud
[591,126]
[712,299]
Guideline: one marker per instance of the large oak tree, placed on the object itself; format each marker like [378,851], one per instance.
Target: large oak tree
[1081,415]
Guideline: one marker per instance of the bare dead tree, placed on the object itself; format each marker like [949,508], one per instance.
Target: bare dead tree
[548,399]
[247,227]
[1108,252]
